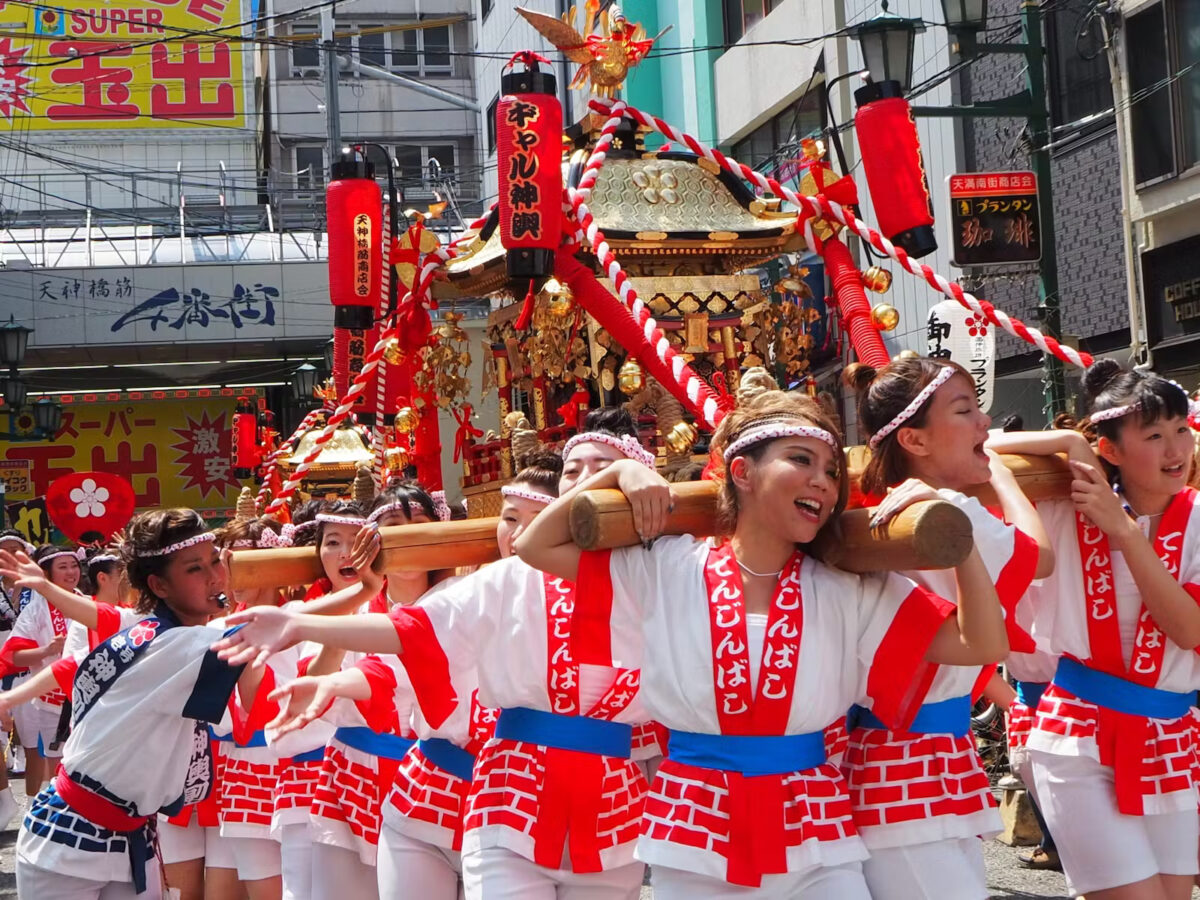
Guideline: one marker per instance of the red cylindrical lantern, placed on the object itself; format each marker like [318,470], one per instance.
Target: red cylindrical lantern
[245,438]
[529,144]
[891,155]
[354,217]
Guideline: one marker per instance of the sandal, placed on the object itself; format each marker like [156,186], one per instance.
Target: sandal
[1041,859]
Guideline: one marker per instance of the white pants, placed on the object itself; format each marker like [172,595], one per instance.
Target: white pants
[844,882]
[254,858]
[408,867]
[938,870]
[296,861]
[1100,847]
[498,874]
[339,874]
[179,843]
[37,727]
[41,884]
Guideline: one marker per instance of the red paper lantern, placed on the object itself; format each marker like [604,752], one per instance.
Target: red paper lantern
[245,438]
[891,155]
[354,217]
[90,506]
[529,143]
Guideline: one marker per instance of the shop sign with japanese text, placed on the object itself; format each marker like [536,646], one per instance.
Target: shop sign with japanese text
[994,218]
[174,446]
[123,64]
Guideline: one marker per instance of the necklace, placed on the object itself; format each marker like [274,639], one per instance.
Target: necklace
[749,571]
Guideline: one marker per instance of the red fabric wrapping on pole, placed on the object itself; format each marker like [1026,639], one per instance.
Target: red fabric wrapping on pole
[529,147]
[852,301]
[891,156]
[354,216]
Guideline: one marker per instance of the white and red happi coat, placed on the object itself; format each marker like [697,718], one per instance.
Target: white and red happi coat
[1095,615]
[300,753]
[250,776]
[831,640]
[515,623]
[917,788]
[82,640]
[37,625]
[347,805]
[427,802]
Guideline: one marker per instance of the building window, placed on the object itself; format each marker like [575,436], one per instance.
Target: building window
[742,15]
[424,51]
[372,49]
[444,154]
[306,57]
[774,146]
[415,168]
[1160,42]
[1080,83]
[310,168]
[411,163]
[491,124]
[485,8]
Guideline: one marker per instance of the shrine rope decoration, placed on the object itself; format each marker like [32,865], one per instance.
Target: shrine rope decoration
[820,207]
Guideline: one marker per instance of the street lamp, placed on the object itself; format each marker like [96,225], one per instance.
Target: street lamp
[15,391]
[965,15]
[304,382]
[14,339]
[47,416]
[887,43]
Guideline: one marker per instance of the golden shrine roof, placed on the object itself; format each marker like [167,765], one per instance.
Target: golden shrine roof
[658,205]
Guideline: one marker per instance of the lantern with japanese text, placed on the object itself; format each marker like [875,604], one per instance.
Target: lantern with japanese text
[245,438]
[891,156]
[354,216]
[529,144]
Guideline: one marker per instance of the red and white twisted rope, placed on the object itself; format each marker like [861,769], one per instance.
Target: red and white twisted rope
[704,401]
[378,432]
[272,461]
[359,385]
[823,208]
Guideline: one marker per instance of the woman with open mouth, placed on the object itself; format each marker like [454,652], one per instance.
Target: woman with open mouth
[754,648]
[1112,747]
[926,435]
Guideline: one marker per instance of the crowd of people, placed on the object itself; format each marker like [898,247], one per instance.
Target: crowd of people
[730,714]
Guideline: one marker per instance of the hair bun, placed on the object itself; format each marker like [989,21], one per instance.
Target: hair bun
[542,458]
[1100,375]
[858,376]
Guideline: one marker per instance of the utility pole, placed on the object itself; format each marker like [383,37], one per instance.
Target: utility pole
[329,60]
[1054,387]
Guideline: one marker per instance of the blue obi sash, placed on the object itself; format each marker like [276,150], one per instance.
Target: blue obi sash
[579,733]
[1120,695]
[449,757]
[751,755]
[951,716]
[389,746]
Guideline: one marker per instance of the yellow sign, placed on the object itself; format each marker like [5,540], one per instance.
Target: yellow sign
[174,450]
[15,475]
[123,64]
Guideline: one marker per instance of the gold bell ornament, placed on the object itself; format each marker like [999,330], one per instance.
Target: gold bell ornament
[392,353]
[630,378]
[885,317]
[877,279]
[559,300]
[682,437]
[407,420]
[396,459]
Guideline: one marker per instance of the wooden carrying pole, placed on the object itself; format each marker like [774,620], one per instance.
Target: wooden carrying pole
[415,548]
[603,519]
[929,535]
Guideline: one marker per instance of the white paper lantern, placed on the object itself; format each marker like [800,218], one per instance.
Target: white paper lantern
[958,334]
